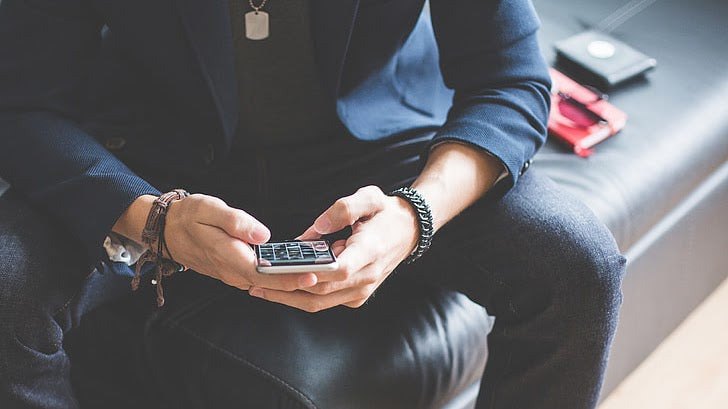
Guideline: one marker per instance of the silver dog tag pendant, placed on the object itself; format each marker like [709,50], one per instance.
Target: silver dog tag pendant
[256,25]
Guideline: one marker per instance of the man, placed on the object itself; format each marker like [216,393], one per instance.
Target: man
[283,109]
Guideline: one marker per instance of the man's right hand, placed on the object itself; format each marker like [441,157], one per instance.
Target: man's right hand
[212,238]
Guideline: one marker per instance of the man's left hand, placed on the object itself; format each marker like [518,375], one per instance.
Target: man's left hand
[384,232]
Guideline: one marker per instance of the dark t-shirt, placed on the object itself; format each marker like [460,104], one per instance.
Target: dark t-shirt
[280,92]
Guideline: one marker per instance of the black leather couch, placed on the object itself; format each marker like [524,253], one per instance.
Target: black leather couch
[661,186]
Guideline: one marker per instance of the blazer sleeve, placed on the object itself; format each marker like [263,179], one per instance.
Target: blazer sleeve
[45,50]
[489,55]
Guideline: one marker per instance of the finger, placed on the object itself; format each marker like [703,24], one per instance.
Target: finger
[347,210]
[338,246]
[311,302]
[356,303]
[285,282]
[235,222]
[279,282]
[366,276]
[238,269]
[309,234]
[353,258]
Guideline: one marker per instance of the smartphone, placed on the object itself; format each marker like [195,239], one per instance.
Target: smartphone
[295,256]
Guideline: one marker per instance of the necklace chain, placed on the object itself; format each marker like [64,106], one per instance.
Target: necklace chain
[257,8]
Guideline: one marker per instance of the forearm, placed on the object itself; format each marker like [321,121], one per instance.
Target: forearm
[131,223]
[454,177]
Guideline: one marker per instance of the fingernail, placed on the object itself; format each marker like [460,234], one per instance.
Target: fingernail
[256,292]
[323,224]
[260,233]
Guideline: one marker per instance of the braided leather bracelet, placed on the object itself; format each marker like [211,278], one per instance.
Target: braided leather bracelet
[424,221]
[153,238]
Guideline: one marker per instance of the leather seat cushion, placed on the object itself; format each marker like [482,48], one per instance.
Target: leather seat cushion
[410,346]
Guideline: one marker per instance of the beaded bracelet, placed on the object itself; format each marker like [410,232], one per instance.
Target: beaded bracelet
[153,236]
[424,221]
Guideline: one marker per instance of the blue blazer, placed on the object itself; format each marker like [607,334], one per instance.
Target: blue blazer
[76,76]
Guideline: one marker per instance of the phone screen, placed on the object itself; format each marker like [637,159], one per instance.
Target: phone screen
[294,253]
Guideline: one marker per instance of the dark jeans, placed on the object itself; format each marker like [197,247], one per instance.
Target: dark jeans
[537,259]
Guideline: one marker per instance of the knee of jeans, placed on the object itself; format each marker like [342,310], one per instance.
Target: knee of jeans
[29,325]
[24,320]
[18,285]
[585,267]
[30,292]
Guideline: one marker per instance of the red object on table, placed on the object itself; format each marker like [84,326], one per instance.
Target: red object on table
[581,117]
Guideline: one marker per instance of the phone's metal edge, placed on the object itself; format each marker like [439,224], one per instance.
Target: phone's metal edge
[301,268]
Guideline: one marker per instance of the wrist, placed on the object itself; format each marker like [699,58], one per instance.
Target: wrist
[455,176]
[131,223]
[433,188]
[410,217]
[153,236]
[425,228]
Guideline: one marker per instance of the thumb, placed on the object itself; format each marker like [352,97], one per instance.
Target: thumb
[309,234]
[249,229]
[348,210]
[239,224]
[257,233]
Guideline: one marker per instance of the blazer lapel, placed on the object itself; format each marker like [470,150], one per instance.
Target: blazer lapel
[207,23]
[333,21]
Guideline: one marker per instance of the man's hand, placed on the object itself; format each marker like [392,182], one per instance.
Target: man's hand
[211,238]
[384,232]
[385,228]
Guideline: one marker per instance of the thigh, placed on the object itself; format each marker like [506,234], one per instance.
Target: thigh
[536,243]
[42,275]
[39,269]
